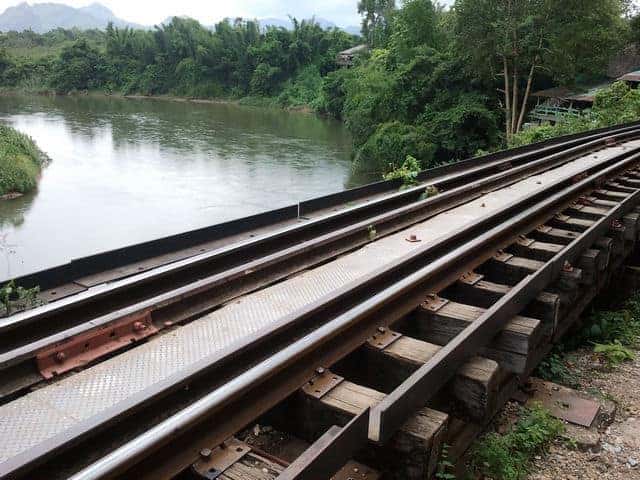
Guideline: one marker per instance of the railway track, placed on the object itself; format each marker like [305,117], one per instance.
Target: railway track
[443,301]
[75,331]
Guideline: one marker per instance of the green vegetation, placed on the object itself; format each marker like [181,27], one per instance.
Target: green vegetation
[407,172]
[608,327]
[613,105]
[614,353]
[611,333]
[436,84]
[508,456]
[20,161]
[553,368]
[445,467]
[17,298]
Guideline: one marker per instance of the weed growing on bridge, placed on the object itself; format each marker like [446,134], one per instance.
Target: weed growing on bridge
[407,172]
[12,297]
[508,456]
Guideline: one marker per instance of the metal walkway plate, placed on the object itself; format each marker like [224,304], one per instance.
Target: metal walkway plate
[49,411]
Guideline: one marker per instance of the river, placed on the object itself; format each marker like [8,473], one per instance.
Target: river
[125,171]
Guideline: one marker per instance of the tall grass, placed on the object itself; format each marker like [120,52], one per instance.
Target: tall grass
[20,161]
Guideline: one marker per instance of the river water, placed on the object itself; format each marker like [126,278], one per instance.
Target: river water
[125,171]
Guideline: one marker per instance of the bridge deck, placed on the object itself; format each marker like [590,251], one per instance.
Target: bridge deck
[53,409]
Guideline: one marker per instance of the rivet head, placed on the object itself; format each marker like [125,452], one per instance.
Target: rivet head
[139,326]
[205,452]
[382,329]
[319,370]
[61,357]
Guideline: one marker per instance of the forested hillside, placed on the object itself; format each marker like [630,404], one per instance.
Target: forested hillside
[437,84]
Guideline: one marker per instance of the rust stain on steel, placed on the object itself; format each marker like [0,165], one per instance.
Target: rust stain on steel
[322,383]
[502,256]
[383,338]
[89,346]
[434,303]
[471,278]
[213,463]
[524,241]
[564,403]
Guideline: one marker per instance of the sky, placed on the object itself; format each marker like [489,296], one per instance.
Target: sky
[149,12]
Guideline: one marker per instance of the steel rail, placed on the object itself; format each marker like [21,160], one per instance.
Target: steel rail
[380,298]
[58,321]
[360,321]
[335,220]
[186,244]
[421,386]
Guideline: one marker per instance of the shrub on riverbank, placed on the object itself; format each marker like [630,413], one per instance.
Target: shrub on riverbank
[20,161]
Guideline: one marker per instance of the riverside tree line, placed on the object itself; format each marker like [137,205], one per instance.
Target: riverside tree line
[437,84]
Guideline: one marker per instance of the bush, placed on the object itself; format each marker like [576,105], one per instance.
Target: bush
[303,90]
[389,146]
[20,161]
[507,457]
[408,173]
[333,93]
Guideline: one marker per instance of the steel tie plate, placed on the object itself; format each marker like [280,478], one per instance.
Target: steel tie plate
[383,338]
[322,383]
[213,463]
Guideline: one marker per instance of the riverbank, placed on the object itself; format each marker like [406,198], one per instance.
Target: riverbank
[248,101]
[21,162]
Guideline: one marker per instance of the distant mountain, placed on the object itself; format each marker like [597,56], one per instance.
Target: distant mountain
[353,30]
[42,17]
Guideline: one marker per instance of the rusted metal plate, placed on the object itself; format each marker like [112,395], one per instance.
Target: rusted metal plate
[383,338]
[434,303]
[356,471]
[563,402]
[213,463]
[502,256]
[524,241]
[322,383]
[471,278]
[94,344]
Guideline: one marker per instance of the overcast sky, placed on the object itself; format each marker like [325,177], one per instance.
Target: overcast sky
[149,12]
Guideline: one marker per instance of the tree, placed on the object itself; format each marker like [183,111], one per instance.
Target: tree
[516,39]
[376,20]
[79,67]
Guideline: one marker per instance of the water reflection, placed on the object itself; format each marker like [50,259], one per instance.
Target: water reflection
[125,171]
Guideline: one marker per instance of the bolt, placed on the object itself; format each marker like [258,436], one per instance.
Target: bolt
[319,370]
[61,357]
[382,329]
[167,323]
[205,452]
[139,326]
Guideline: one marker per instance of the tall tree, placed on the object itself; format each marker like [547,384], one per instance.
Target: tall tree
[376,19]
[516,39]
